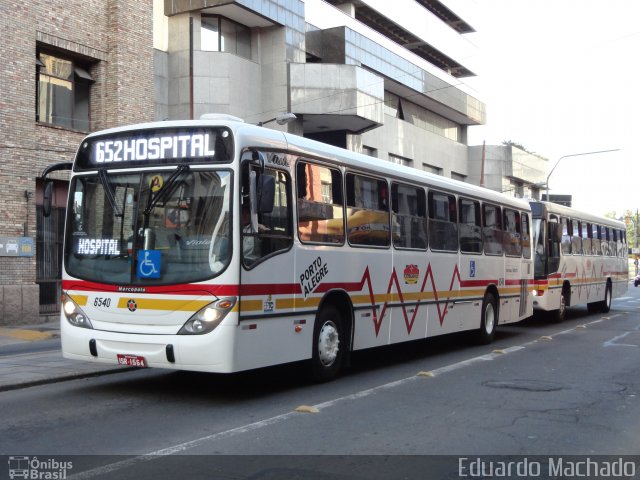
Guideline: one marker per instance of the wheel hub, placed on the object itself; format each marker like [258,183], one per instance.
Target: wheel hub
[489,319]
[328,344]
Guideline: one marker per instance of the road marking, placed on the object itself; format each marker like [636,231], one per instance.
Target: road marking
[613,341]
[181,447]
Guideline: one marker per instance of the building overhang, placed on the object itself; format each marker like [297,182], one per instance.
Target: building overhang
[392,30]
[431,104]
[335,97]
[233,10]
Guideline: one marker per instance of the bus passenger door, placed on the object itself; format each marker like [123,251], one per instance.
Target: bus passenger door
[267,284]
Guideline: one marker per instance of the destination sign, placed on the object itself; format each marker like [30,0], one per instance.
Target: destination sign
[162,146]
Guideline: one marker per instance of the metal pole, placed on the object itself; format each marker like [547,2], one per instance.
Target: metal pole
[574,155]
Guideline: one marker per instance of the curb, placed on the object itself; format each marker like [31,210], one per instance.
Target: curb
[64,378]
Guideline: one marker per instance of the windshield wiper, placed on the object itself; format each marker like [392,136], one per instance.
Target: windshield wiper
[166,190]
[108,190]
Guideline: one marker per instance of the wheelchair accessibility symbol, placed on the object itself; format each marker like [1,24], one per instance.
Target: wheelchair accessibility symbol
[149,263]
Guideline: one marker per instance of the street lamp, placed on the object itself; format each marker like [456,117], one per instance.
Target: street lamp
[280,119]
[574,155]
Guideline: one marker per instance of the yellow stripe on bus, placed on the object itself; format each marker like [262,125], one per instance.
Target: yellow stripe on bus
[81,300]
[290,303]
[169,305]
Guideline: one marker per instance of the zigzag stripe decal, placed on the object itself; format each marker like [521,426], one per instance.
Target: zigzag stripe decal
[377,321]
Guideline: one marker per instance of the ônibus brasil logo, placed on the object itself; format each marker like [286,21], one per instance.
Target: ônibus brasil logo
[40,469]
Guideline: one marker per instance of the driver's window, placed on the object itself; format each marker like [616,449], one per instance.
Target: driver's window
[272,208]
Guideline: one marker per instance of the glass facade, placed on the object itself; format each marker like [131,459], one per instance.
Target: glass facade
[219,34]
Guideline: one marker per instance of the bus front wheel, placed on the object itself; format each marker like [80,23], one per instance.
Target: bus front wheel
[560,314]
[328,344]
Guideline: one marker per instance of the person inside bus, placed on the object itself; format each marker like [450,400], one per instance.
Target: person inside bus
[251,242]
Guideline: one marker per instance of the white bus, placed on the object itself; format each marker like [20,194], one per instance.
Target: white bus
[215,245]
[579,259]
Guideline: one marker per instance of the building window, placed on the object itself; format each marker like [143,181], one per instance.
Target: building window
[431,169]
[458,176]
[372,152]
[398,160]
[62,94]
[219,34]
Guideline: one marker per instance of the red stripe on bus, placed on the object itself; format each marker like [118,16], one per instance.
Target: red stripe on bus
[270,289]
[184,289]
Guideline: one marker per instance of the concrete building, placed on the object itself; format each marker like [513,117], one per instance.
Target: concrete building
[508,169]
[379,77]
[364,75]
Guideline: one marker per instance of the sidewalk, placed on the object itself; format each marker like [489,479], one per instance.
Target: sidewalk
[30,355]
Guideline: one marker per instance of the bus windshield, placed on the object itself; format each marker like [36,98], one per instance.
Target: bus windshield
[149,228]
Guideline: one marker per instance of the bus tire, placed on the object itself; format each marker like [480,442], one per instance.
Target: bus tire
[560,314]
[328,344]
[605,305]
[488,319]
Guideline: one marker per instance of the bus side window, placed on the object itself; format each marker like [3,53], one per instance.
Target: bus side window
[596,242]
[367,211]
[526,236]
[443,222]
[470,226]
[320,205]
[566,235]
[576,238]
[511,236]
[408,205]
[586,238]
[622,240]
[492,229]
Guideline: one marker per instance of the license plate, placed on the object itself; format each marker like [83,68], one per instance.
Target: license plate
[132,360]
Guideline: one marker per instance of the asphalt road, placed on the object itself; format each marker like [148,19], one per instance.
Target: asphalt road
[540,389]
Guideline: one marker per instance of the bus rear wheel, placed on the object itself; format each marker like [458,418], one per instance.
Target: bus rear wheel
[488,319]
[605,306]
[328,344]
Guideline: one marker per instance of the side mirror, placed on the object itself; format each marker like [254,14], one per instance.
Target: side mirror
[47,198]
[266,193]
[48,185]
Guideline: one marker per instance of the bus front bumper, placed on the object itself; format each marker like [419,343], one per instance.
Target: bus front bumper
[212,352]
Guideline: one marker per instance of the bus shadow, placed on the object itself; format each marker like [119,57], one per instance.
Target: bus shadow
[270,381]
[194,387]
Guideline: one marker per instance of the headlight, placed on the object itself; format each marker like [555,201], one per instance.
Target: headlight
[75,315]
[209,317]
